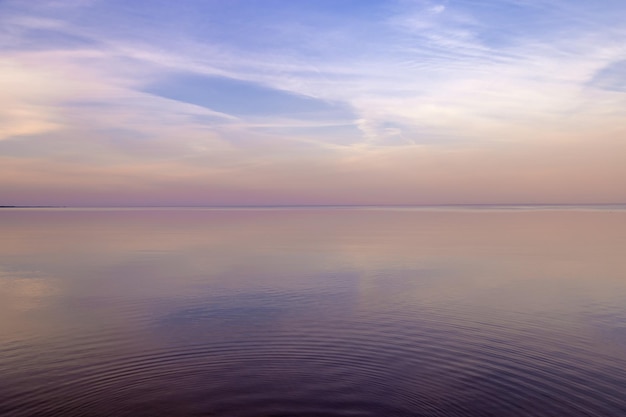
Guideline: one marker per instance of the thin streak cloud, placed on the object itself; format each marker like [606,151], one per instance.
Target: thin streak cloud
[273,104]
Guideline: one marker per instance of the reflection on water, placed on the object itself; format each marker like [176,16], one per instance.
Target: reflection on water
[317,312]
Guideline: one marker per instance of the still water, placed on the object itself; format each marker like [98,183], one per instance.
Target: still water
[313,312]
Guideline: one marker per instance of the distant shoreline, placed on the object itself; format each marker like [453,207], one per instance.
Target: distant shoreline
[345,206]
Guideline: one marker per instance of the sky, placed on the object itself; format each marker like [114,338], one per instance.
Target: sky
[322,102]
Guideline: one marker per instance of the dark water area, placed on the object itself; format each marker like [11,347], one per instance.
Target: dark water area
[313,312]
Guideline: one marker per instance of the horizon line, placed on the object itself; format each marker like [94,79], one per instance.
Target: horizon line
[241,206]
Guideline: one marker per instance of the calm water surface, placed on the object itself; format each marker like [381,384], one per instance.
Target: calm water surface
[312,312]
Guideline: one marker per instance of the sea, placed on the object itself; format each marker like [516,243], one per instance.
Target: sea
[473,311]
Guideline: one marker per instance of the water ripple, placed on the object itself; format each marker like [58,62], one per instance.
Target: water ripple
[439,364]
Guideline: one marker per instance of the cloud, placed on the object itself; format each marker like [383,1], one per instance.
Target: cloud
[433,99]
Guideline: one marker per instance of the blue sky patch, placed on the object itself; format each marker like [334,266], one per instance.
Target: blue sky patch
[243,98]
[612,77]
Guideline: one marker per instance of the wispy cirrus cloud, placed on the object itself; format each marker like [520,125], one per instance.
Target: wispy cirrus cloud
[253,97]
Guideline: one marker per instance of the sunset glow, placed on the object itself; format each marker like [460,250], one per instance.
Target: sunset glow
[312,102]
